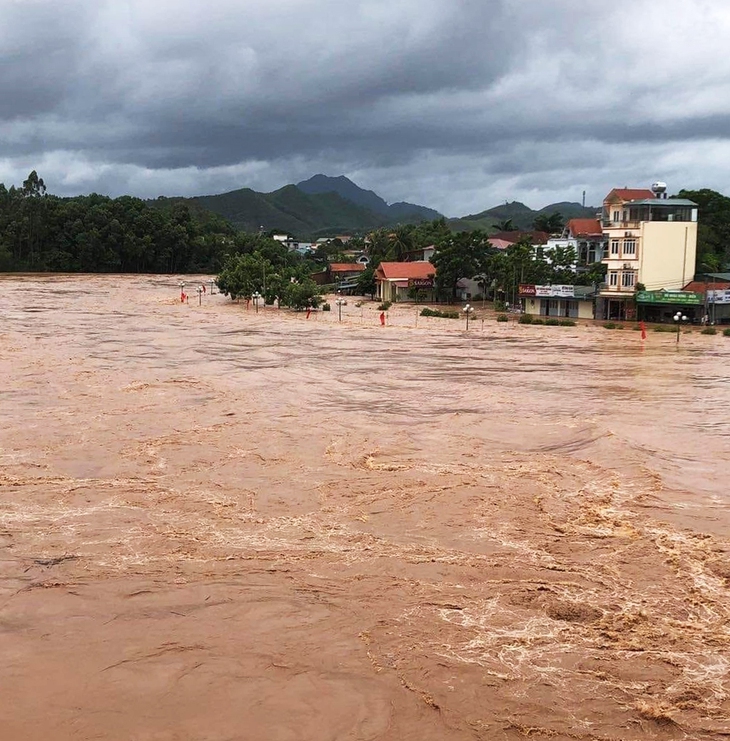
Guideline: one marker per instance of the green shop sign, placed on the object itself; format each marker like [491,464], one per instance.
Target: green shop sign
[668,297]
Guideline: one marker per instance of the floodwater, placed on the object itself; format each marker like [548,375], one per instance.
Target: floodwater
[219,525]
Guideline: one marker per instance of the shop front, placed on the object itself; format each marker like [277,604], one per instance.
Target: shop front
[560,301]
[661,306]
[719,306]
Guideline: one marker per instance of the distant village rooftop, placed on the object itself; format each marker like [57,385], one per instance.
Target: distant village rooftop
[585,228]
[406,270]
[347,267]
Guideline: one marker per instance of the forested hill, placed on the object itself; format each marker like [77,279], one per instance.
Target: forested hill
[327,206]
[401,212]
[516,215]
[289,210]
[317,207]
[41,232]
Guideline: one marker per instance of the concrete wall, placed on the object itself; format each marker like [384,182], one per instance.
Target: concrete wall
[585,309]
[532,306]
[668,254]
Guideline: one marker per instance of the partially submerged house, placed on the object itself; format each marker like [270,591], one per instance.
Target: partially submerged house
[396,281]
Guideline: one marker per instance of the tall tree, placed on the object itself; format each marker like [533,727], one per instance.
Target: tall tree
[366,282]
[400,242]
[461,255]
[550,223]
[713,230]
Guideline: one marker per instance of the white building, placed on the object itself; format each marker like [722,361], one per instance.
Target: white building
[585,237]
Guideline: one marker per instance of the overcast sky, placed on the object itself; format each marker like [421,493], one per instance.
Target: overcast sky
[454,104]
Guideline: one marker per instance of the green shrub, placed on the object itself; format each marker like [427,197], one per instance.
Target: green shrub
[609,325]
[537,320]
[326,307]
[619,326]
[567,323]
[552,322]
[440,314]
[505,318]
[500,306]
[665,328]
[709,330]
[525,319]
[726,332]
[385,306]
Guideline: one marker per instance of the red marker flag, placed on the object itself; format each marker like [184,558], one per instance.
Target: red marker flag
[643,330]
[382,318]
[309,311]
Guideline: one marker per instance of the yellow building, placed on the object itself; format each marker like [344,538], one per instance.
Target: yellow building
[652,241]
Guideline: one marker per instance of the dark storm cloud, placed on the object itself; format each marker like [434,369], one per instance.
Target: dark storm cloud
[503,99]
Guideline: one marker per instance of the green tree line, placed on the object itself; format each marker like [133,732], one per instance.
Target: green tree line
[40,232]
[713,230]
[262,266]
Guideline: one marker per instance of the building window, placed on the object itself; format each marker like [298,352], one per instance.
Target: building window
[617,216]
[614,247]
[613,278]
[628,279]
[629,247]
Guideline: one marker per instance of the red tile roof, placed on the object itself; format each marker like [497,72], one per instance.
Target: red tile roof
[347,267]
[500,244]
[585,227]
[405,270]
[698,286]
[631,194]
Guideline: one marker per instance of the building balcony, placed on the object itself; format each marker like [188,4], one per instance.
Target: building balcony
[616,262]
[616,291]
[610,224]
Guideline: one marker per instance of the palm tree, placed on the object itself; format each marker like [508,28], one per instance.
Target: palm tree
[401,242]
[551,224]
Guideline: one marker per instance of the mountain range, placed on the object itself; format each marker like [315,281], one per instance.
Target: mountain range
[326,206]
[520,215]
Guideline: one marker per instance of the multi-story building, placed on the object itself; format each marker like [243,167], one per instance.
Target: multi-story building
[585,238]
[652,244]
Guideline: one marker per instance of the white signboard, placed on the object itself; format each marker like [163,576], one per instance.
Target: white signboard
[719,297]
[555,291]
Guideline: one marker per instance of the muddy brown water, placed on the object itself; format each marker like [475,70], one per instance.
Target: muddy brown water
[219,525]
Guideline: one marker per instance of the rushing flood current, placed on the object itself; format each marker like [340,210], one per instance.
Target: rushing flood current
[220,525]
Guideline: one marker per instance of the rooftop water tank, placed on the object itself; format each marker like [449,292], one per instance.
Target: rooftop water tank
[659,189]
